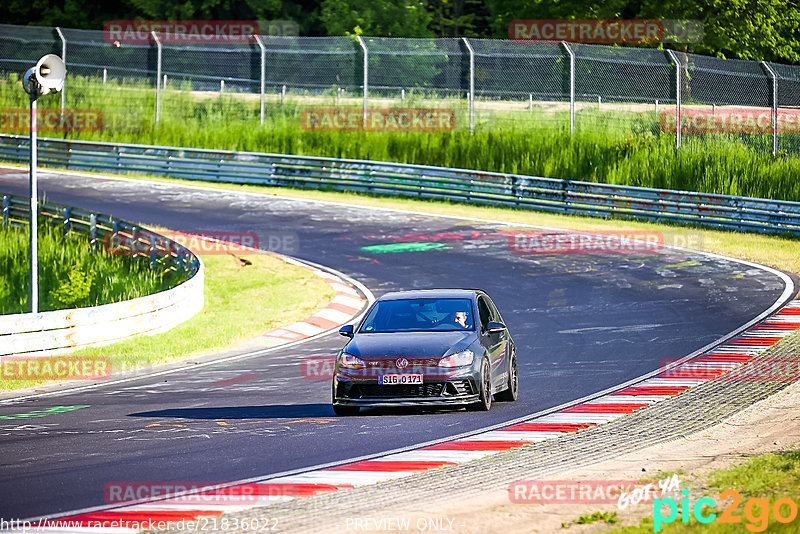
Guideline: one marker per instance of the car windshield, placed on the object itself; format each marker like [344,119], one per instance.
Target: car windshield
[420,315]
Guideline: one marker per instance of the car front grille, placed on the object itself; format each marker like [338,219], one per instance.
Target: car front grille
[430,389]
[375,391]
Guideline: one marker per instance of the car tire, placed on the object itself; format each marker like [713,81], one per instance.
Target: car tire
[340,409]
[511,393]
[345,411]
[485,391]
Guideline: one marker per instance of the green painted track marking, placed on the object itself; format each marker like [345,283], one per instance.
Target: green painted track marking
[414,246]
[45,412]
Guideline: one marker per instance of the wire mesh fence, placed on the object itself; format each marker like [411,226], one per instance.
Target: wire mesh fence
[501,83]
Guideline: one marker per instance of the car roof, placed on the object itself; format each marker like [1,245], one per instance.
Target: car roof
[430,294]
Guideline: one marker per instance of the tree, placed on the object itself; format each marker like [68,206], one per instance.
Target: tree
[379,18]
[744,29]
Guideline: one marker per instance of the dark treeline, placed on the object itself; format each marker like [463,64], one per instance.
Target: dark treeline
[744,29]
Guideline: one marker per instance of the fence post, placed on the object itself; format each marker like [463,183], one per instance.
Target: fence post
[6,209]
[471,102]
[674,59]
[366,75]
[67,222]
[158,77]
[571,87]
[93,230]
[774,107]
[152,252]
[263,71]
[64,59]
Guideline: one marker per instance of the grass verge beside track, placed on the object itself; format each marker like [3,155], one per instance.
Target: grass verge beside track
[244,296]
[766,478]
[624,144]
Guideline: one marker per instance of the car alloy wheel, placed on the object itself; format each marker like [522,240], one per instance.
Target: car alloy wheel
[485,392]
[511,393]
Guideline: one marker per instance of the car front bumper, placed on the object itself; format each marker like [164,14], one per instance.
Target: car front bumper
[457,391]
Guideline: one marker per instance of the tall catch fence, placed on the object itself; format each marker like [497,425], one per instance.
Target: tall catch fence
[488,82]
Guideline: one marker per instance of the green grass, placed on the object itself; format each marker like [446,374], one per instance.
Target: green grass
[244,296]
[607,517]
[71,274]
[769,477]
[618,147]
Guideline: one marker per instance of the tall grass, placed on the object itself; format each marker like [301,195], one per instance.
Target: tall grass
[618,147]
[71,274]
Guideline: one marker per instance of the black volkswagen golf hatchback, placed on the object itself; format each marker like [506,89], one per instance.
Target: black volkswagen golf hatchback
[434,347]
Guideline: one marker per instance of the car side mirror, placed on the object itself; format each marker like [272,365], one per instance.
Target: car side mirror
[346,330]
[495,326]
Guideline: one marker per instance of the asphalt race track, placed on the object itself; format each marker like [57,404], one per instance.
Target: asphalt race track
[581,322]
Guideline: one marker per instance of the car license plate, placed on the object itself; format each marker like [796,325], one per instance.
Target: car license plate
[387,380]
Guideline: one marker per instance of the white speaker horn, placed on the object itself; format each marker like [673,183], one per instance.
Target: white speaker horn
[50,72]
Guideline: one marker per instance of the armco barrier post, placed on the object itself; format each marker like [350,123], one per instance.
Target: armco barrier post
[366,75]
[471,101]
[571,86]
[774,107]
[674,59]
[158,76]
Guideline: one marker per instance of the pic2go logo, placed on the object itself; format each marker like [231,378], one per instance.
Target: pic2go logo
[756,511]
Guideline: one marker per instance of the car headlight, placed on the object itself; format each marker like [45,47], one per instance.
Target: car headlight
[459,359]
[348,361]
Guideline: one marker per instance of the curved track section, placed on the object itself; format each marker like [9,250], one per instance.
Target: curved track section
[582,323]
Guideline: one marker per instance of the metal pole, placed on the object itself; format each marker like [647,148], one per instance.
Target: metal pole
[366,75]
[471,85]
[64,59]
[263,71]
[677,97]
[774,107]
[33,223]
[105,75]
[571,87]
[158,77]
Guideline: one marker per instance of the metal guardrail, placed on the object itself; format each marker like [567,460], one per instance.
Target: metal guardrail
[418,181]
[54,332]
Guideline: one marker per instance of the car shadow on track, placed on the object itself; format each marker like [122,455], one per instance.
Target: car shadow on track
[281,411]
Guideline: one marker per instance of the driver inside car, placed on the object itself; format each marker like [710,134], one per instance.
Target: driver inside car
[461,319]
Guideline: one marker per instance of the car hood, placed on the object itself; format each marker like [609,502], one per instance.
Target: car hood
[409,344]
